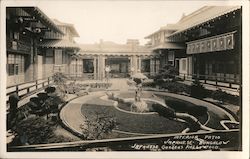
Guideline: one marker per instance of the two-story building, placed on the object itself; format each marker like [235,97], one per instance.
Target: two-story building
[57,50]
[169,52]
[211,37]
[36,45]
[25,28]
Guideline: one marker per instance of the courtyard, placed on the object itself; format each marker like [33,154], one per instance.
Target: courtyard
[90,114]
[180,91]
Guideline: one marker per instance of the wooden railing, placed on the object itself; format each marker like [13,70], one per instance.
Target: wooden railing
[129,144]
[212,80]
[26,88]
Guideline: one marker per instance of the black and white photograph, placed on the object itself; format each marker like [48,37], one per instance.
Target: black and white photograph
[124,77]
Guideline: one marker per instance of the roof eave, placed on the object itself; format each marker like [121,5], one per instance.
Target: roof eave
[197,25]
[35,11]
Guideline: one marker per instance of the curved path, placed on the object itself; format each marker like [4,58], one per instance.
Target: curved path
[71,113]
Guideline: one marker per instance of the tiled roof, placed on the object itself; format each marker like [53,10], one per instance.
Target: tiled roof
[70,26]
[36,12]
[172,27]
[169,45]
[111,47]
[203,15]
[58,44]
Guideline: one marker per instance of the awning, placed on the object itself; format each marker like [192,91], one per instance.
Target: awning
[58,44]
[203,15]
[169,45]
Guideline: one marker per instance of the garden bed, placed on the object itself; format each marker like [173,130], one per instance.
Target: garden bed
[134,123]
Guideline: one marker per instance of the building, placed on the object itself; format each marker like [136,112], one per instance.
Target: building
[36,45]
[169,52]
[123,59]
[58,50]
[212,39]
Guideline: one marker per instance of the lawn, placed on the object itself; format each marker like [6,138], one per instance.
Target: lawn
[136,123]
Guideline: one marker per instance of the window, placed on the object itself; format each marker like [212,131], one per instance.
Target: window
[16,35]
[184,64]
[49,56]
[14,45]
[145,65]
[58,57]
[88,66]
[171,58]
[15,64]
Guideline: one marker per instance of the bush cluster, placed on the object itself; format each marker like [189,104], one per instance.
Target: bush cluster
[175,87]
[197,90]
[36,130]
[45,103]
[98,126]
[224,97]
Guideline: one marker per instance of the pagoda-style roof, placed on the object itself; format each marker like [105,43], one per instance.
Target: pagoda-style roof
[58,44]
[43,18]
[69,25]
[170,27]
[201,16]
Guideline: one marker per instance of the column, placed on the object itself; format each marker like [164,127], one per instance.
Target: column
[101,67]
[139,63]
[152,66]
[95,68]
[134,64]
[190,65]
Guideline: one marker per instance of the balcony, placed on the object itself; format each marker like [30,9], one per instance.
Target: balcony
[18,46]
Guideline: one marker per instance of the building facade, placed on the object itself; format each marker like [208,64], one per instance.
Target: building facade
[123,60]
[169,52]
[36,45]
[25,27]
[58,50]
[212,39]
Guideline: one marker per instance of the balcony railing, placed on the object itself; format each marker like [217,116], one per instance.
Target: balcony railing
[216,80]
[18,46]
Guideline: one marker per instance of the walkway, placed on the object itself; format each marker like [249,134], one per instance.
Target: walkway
[71,113]
[119,83]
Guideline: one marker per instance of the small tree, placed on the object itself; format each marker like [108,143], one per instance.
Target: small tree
[33,130]
[168,71]
[60,81]
[98,126]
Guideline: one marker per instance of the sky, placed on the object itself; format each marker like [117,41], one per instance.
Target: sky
[116,21]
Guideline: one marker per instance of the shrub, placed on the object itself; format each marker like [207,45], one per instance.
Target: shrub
[175,87]
[218,95]
[149,84]
[167,73]
[34,130]
[50,89]
[186,107]
[225,97]
[197,90]
[98,126]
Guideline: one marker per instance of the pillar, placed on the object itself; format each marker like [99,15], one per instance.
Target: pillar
[95,68]
[134,64]
[139,63]
[101,67]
